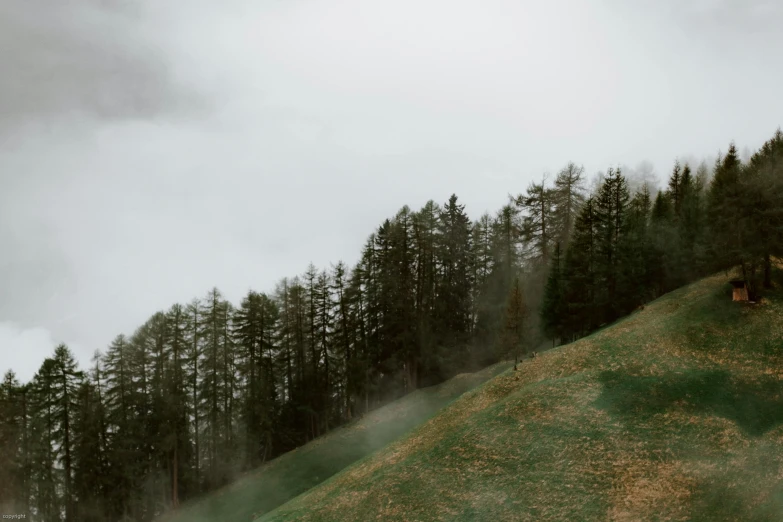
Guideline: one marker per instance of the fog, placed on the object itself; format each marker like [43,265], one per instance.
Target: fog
[152,150]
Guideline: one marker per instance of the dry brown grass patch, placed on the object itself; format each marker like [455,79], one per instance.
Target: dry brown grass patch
[644,487]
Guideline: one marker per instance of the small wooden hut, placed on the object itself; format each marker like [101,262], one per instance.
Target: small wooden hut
[740,290]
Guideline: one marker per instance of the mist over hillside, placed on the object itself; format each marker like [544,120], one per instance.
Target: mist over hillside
[230,230]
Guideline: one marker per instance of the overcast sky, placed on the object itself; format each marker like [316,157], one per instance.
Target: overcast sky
[151,150]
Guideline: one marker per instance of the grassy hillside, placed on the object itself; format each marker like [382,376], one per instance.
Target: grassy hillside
[674,413]
[289,475]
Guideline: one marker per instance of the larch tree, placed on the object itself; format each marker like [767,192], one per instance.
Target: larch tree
[12,450]
[568,196]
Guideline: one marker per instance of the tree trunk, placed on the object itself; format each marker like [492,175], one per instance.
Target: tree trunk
[67,448]
[767,271]
[175,486]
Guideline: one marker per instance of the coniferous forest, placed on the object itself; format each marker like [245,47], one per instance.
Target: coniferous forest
[207,389]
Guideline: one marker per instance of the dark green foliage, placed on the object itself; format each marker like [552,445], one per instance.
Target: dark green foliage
[578,289]
[611,206]
[552,305]
[637,254]
[90,454]
[624,251]
[14,479]
[724,211]
[516,316]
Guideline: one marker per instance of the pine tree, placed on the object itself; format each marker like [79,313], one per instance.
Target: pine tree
[213,385]
[426,244]
[402,273]
[119,402]
[536,223]
[516,314]
[506,237]
[636,253]
[89,451]
[344,335]
[194,377]
[764,201]
[552,306]
[363,353]
[255,323]
[674,191]
[610,219]
[176,442]
[453,295]
[12,451]
[481,301]
[579,275]
[724,210]
[661,231]
[48,503]
[690,227]
[505,264]
[66,379]
[324,327]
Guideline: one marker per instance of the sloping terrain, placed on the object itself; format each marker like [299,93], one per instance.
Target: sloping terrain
[673,413]
[280,480]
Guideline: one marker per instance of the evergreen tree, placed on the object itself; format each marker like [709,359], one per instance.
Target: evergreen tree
[579,275]
[176,442]
[13,491]
[255,323]
[426,243]
[674,191]
[47,483]
[453,294]
[764,201]
[506,234]
[89,453]
[324,327]
[552,306]
[610,222]
[662,232]
[402,318]
[636,251]
[536,224]
[119,401]
[690,223]
[345,338]
[724,210]
[516,314]
[64,385]
[481,301]
[194,376]
[214,385]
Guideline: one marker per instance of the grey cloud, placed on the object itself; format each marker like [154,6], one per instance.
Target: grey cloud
[181,144]
[81,58]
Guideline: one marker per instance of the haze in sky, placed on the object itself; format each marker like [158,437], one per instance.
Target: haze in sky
[152,150]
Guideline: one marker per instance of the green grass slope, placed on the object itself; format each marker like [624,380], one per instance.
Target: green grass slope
[673,413]
[280,480]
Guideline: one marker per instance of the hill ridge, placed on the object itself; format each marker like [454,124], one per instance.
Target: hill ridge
[672,413]
[257,491]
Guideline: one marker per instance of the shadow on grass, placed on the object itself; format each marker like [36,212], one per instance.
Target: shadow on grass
[754,406]
[717,502]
